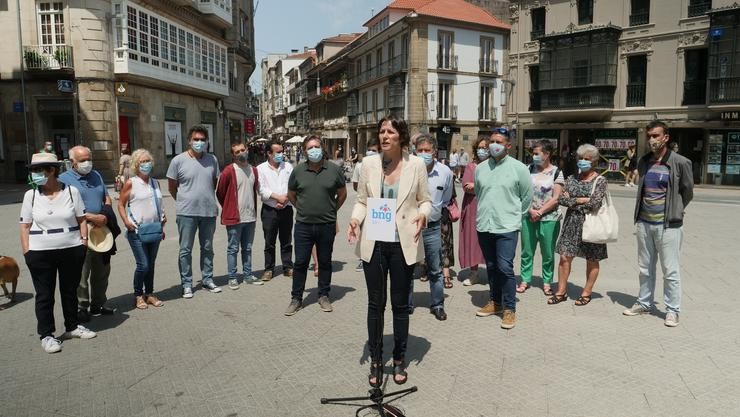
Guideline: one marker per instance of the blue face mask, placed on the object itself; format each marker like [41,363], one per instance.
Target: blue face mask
[39,178]
[279,158]
[315,154]
[370,153]
[426,157]
[145,168]
[537,159]
[482,154]
[584,165]
[198,145]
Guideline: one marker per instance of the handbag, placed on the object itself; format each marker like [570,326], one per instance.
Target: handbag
[602,225]
[454,210]
[149,232]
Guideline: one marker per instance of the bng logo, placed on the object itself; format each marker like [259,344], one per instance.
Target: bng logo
[384,213]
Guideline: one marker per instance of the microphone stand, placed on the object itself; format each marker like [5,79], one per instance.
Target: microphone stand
[376,394]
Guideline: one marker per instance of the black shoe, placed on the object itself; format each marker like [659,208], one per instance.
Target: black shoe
[105,311]
[83,316]
[411,310]
[439,314]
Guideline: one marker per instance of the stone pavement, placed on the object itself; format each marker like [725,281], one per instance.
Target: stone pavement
[235,354]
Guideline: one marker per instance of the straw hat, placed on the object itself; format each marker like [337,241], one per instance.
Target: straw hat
[100,239]
[43,159]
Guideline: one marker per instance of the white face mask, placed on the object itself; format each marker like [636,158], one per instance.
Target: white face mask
[85,167]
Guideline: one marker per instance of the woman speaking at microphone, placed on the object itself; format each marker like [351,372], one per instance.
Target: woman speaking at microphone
[399,181]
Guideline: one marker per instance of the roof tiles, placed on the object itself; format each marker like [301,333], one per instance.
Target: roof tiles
[450,9]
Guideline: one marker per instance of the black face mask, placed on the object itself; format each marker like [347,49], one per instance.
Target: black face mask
[242,157]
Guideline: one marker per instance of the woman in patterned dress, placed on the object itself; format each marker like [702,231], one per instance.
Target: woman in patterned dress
[582,194]
[448,242]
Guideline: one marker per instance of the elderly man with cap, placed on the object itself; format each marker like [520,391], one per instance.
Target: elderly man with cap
[96,269]
[53,239]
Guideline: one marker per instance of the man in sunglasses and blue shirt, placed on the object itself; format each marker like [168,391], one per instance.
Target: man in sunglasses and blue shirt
[504,191]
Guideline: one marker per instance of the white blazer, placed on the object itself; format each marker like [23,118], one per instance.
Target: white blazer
[413,199]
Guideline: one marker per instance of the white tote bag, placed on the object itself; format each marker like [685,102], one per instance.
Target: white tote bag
[601,226]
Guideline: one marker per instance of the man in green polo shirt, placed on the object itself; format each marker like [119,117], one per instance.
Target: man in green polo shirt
[504,191]
[317,190]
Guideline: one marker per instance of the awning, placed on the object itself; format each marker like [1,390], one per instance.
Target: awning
[295,139]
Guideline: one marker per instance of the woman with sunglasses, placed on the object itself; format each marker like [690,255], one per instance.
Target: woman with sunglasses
[54,243]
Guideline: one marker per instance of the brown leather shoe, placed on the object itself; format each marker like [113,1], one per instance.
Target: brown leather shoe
[266,276]
[288,272]
[490,309]
[154,301]
[509,320]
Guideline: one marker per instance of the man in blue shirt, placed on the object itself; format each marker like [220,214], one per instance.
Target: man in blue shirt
[96,269]
[440,180]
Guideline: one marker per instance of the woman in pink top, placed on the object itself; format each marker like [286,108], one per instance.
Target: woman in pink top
[470,253]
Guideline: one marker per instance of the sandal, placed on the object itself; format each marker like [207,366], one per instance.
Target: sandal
[522,287]
[399,370]
[423,278]
[448,282]
[140,302]
[376,372]
[557,298]
[154,301]
[547,291]
[583,300]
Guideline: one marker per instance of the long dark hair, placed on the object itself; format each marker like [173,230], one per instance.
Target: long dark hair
[399,125]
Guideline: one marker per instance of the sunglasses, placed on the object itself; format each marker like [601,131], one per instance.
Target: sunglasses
[501,131]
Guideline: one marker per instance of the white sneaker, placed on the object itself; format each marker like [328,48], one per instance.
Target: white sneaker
[234,284]
[251,279]
[187,293]
[81,332]
[473,278]
[212,287]
[51,345]
[671,319]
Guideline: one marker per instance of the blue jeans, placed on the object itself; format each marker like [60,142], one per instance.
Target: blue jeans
[187,226]
[432,237]
[145,255]
[305,236]
[499,250]
[241,234]
[653,242]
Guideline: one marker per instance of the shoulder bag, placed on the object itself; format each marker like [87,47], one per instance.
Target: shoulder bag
[602,225]
[149,232]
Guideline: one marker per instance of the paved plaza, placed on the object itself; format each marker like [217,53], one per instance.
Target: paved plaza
[235,354]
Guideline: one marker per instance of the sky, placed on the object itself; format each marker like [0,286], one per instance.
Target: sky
[282,25]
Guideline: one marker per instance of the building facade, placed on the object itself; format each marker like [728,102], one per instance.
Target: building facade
[597,72]
[121,74]
[277,89]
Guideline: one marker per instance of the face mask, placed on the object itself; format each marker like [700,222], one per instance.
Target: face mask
[496,149]
[242,157]
[84,168]
[49,148]
[655,145]
[370,153]
[198,146]
[426,157]
[145,167]
[315,154]
[584,165]
[537,159]
[39,178]
[279,158]
[482,154]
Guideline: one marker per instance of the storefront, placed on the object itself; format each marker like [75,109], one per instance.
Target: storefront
[532,137]
[723,157]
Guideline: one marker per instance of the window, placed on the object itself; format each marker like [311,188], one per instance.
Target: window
[445,57]
[695,84]
[363,104]
[385,99]
[404,50]
[724,58]
[699,7]
[51,24]
[444,101]
[534,87]
[485,103]
[585,12]
[640,14]
[379,62]
[375,104]
[538,23]
[487,64]
[391,50]
[636,82]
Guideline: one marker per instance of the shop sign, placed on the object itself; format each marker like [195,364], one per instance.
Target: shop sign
[17,107]
[529,143]
[714,168]
[614,143]
[732,169]
[729,115]
[614,165]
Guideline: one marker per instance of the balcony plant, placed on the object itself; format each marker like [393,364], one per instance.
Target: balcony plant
[63,56]
[34,59]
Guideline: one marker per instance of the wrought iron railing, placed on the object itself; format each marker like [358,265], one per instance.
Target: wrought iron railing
[694,92]
[724,90]
[639,18]
[636,94]
[698,8]
[48,57]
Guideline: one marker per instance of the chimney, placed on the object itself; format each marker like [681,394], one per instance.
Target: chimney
[293,51]
[305,49]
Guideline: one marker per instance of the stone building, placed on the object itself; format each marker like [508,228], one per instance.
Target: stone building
[598,71]
[111,74]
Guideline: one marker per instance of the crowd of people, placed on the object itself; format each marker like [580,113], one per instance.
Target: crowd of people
[68,225]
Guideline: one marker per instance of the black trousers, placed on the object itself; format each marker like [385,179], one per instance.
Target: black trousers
[44,266]
[387,258]
[277,223]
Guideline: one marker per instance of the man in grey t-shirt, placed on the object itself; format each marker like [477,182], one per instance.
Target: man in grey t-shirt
[192,177]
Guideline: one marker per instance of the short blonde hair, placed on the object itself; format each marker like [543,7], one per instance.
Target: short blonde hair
[136,159]
[588,151]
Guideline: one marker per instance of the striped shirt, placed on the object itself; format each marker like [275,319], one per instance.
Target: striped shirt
[652,207]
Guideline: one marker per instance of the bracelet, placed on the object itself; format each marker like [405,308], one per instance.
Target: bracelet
[83,237]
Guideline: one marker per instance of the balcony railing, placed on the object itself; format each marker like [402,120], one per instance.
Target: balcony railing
[48,57]
[447,62]
[394,65]
[487,66]
[694,92]
[636,95]
[537,33]
[578,98]
[534,101]
[724,90]
[447,112]
[698,8]
[639,18]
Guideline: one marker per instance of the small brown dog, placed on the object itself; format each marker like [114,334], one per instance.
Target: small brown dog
[9,273]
